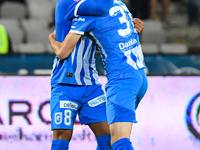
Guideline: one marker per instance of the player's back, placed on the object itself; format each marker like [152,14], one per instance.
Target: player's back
[117,39]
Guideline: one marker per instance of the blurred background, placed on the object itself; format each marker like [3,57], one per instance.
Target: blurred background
[169,116]
[170,40]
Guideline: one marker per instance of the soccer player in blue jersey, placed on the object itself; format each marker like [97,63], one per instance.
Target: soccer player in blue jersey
[121,52]
[74,81]
[67,9]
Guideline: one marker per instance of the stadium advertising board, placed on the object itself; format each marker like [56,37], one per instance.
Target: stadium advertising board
[168,116]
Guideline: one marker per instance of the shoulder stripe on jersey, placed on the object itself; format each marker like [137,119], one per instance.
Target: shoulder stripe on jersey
[87,55]
[73,53]
[79,61]
[77,32]
[99,44]
[95,75]
[76,8]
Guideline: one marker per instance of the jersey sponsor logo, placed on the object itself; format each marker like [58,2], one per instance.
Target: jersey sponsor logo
[79,19]
[124,46]
[68,104]
[58,117]
[69,74]
[97,101]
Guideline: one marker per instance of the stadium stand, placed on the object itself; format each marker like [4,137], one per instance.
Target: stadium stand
[32,48]
[36,31]
[10,9]
[150,48]
[41,9]
[28,25]
[154,32]
[14,30]
[176,49]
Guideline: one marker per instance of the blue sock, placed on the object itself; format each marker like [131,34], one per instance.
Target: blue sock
[59,145]
[122,144]
[103,142]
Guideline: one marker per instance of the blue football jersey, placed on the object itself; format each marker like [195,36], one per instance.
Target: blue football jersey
[116,37]
[79,68]
[67,9]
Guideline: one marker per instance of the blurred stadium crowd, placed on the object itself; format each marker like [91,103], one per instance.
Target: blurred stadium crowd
[29,22]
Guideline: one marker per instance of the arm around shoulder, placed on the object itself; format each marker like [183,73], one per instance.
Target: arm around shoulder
[63,49]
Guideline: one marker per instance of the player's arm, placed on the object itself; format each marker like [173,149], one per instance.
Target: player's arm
[94,7]
[138,25]
[63,49]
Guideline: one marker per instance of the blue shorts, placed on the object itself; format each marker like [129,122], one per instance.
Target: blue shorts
[124,93]
[68,100]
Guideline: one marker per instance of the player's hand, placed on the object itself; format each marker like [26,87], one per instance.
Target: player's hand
[138,25]
[52,35]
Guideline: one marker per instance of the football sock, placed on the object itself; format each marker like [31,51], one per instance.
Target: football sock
[122,144]
[59,145]
[103,142]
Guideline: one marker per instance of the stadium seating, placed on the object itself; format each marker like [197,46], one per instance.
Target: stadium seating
[10,9]
[35,28]
[36,31]
[154,32]
[41,9]
[14,30]
[32,48]
[149,48]
[27,25]
[176,49]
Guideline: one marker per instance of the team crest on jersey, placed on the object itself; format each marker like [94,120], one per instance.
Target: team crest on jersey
[58,117]
[69,74]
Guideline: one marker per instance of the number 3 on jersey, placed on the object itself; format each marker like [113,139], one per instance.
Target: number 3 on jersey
[113,12]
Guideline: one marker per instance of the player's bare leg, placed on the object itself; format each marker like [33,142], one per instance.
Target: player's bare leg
[102,134]
[119,130]
[62,134]
[61,139]
[120,135]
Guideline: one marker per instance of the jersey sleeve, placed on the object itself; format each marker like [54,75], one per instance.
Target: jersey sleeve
[93,7]
[66,10]
[74,8]
[81,24]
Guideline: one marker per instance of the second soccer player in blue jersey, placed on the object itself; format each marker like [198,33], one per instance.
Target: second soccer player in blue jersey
[121,51]
[74,81]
